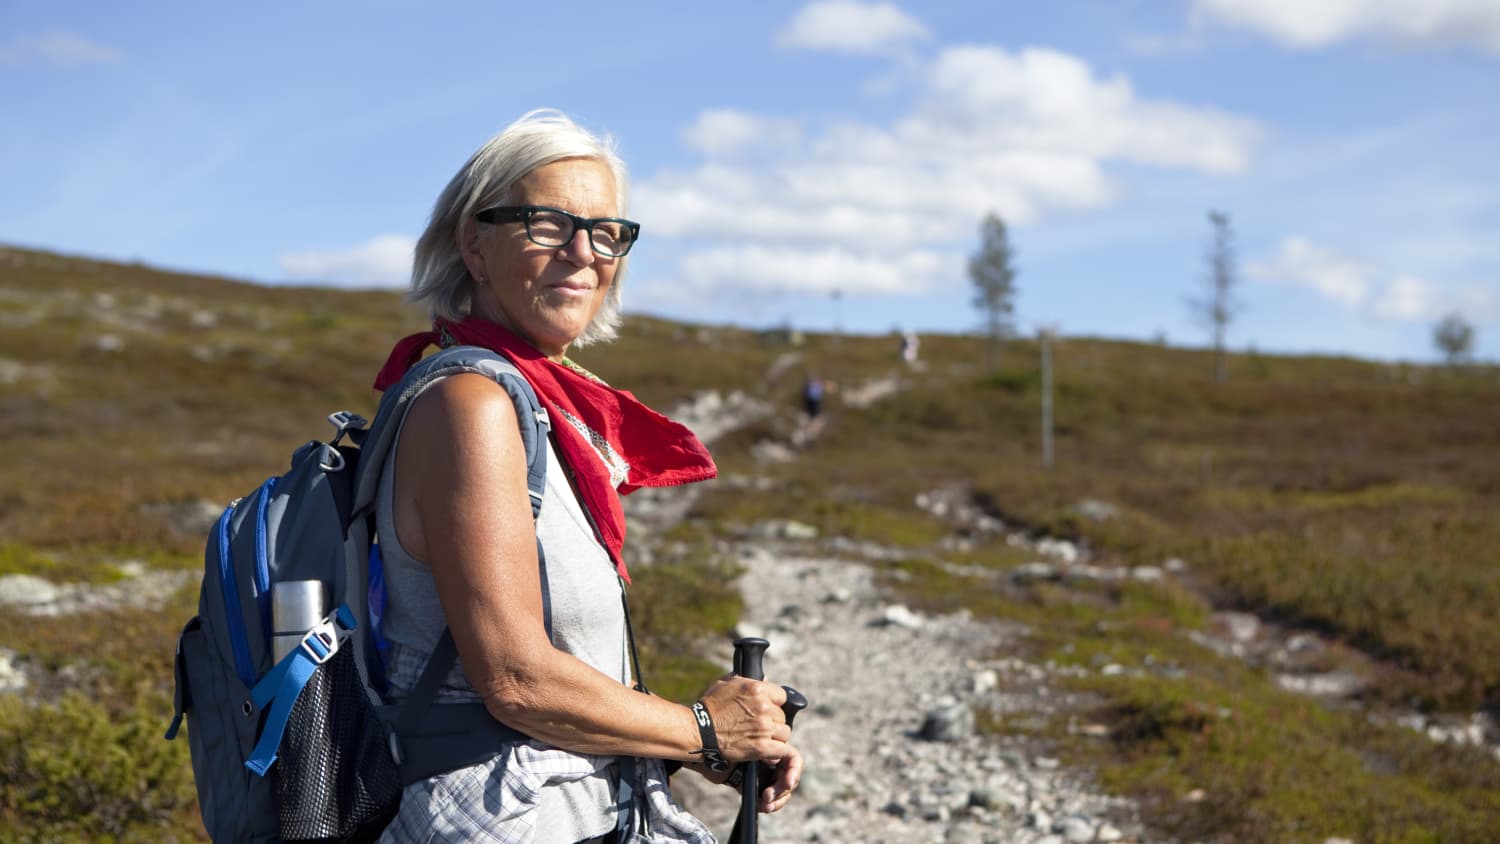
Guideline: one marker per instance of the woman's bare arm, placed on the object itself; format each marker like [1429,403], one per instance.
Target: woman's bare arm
[462,506]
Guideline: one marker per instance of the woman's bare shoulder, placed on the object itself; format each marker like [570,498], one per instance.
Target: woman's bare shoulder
[467,396]
[459,413]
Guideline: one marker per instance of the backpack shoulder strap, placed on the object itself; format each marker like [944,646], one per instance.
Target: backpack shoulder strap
[475,734]
[397,400]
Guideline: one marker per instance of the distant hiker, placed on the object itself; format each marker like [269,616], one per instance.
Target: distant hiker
[909,345]
[523,255]
[814,389]
[812,396]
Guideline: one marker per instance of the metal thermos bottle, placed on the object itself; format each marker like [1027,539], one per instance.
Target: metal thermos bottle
[296,607]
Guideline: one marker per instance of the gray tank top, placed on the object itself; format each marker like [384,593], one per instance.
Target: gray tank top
[584,614]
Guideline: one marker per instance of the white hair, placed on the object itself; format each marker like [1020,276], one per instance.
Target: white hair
[439,278]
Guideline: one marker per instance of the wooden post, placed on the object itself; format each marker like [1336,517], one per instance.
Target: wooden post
[1046,337]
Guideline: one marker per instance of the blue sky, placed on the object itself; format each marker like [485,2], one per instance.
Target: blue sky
[821,164]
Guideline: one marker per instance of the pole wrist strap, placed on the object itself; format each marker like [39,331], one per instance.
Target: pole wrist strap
[710,753]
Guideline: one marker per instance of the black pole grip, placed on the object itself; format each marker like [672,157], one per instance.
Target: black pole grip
[749,659]
[795,702]
[749,654]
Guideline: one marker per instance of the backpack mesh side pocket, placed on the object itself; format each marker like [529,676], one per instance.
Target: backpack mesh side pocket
[334,779]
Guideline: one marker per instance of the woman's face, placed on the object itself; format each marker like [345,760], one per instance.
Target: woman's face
[547,294]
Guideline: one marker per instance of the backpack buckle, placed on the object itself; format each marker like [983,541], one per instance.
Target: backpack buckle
[344,421]
[321,642]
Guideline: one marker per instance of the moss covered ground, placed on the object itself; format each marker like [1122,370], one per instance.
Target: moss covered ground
[1351,497]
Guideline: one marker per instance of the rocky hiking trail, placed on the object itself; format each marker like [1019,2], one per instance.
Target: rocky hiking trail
[889,736]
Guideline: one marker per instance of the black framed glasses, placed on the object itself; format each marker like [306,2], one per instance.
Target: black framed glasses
[611,237]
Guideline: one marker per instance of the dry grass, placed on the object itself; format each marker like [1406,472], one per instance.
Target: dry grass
[1354,497]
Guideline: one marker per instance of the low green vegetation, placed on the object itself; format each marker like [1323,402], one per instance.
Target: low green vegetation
[78,770]
[1212,748]
[81,752]
[1354,498]
[677,607]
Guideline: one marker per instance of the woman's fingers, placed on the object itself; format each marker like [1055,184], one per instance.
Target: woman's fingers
[788,776]
[748,718]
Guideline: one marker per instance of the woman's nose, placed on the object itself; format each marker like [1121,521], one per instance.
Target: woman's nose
[580,250]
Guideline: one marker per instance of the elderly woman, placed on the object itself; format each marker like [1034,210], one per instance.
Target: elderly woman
[524,255]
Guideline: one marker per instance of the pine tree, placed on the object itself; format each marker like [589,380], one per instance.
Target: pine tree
[994,276]
[1454,337]
[1218,307]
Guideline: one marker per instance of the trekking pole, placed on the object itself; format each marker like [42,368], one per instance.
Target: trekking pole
[748,662]
[749,653]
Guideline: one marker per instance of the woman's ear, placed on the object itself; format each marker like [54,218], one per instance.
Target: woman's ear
[467,241]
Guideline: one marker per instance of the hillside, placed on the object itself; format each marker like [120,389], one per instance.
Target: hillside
[1197,555]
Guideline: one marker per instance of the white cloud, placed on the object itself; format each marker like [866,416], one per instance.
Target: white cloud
[1408,297]
[1027,134]
[1412,298]
[57,48]
[1157,44]
[764,209]
[1318,23]
[1349,283]
[1299,262]
[813,270]
[725,131]
[847,26]
[382,261]
[1479,303]
[1046,99]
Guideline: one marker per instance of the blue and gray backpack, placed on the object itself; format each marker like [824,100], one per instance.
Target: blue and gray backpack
[307,748]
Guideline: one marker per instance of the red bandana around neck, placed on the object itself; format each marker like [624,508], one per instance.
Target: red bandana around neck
[646,448]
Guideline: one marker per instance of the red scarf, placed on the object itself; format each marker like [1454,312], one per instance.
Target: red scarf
[657,451]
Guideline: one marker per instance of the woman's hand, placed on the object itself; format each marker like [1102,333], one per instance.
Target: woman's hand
[786,775]
[750,725]
[778,778]
[748,720]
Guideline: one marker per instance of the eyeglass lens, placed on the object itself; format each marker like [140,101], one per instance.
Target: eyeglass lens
[549,228]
